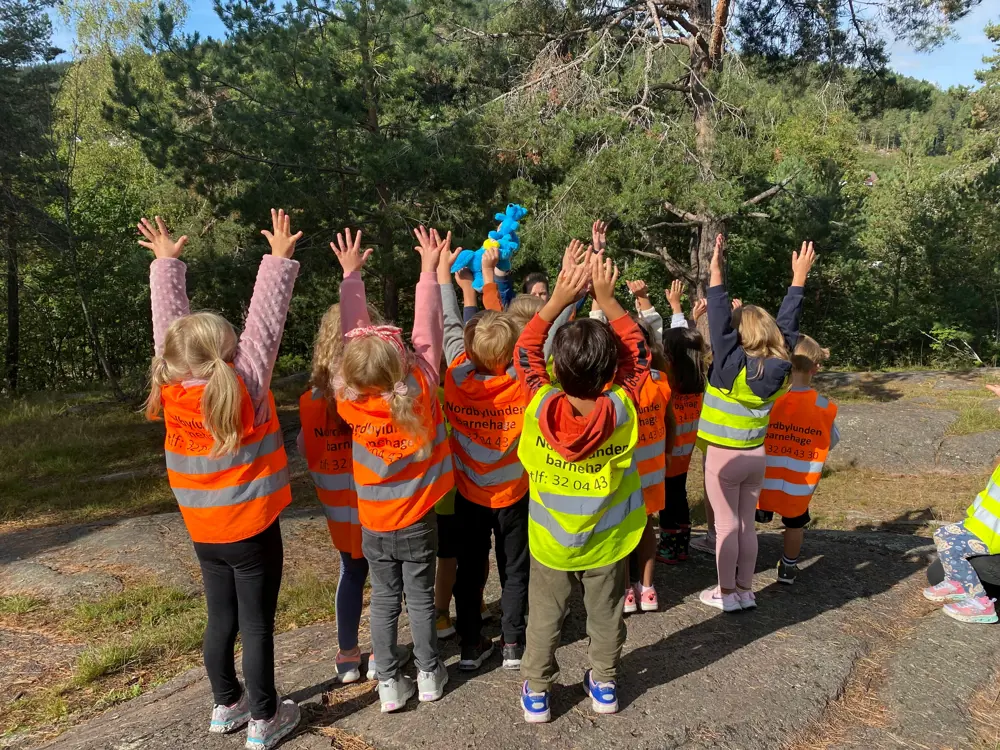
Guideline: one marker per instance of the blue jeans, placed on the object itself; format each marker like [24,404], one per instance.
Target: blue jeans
[350,599]
[955,545]
[403,560]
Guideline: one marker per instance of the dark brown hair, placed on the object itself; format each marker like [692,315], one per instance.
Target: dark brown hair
[685,352]
[657,359]
[585,356]
[534,278]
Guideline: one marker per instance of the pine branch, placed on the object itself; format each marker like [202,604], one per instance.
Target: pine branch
[769,193]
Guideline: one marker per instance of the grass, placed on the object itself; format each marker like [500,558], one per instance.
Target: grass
[19,604]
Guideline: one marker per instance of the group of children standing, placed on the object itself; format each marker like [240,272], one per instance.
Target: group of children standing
[560,438]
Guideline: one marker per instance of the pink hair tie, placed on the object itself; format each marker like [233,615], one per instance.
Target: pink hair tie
[399,389]
[392,334]
[344,390]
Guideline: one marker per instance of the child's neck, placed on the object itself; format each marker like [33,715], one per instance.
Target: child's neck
[801,380]
[582,406]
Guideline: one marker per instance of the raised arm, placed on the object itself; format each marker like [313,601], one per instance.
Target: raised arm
[353,303]
[167,278]
[454,341]
[677,319]
[791,306]
[258,346]
[727,354]
[428,319]
[491,293]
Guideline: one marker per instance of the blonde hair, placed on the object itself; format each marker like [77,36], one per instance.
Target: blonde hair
[372,366]
[760,336]
[201,346]
[489,341]
[808,354]
[328,348]
[523,308]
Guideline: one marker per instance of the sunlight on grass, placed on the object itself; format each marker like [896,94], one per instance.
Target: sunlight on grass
[19,604]
[305,600]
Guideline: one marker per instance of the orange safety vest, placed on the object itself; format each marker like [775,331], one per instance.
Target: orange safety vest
[395,488]
[328,453]
[650,455]
[687,411]
[797,444]
[486,414]
[234,496]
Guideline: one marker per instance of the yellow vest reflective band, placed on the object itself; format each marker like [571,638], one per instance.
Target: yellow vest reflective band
[736,418]
[588,513]
[983,517]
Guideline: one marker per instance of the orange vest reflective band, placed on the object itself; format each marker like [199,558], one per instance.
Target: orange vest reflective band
[687,411]
[331,466]
[650,457]
[797,444]
[486,414]
[396,488]
[231,497]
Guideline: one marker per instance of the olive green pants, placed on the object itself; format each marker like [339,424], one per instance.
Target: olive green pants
[548,601]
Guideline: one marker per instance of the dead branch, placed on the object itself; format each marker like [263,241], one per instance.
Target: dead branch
[769,193]
[686,215]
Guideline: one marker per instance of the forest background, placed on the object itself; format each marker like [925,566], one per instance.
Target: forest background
[772,121]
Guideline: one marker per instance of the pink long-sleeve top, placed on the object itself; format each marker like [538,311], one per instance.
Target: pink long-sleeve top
[427,338]
[257,349]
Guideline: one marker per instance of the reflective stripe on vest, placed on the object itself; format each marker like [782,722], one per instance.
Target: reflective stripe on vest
[682,450]
[485,413]
[398,477]
[328,450]
[736,418]
[687,412]
[587,513]
[983,516]
[227,498]
[798,442]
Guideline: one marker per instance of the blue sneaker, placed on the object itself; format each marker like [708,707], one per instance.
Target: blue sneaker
[535,705]
[603,695]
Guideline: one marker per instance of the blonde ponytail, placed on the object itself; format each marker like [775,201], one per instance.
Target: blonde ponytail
[406,417]
[202,346]
[220,408]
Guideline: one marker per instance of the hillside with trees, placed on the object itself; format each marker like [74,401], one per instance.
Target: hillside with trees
[672,119]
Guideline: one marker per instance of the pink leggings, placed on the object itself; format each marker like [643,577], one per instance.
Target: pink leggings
[732,481]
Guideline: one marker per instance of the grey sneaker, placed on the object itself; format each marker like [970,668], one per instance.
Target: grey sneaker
[703,543]
[787,573]
[226,719]
[431,684]
[394,692]
[403,655]
[263,735]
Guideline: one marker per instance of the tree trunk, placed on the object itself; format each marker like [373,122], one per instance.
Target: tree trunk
[390,297]
[13,358]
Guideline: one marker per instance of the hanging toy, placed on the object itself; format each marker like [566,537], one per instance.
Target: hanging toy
[504,238]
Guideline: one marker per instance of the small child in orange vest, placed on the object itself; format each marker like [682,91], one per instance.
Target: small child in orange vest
[326,443]
[800,435]
[402,463]
[227,467]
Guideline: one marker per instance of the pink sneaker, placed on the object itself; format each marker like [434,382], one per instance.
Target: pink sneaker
[713,597]
[946,591]
[980,609]
[747,599]
[648,601]
[630,601]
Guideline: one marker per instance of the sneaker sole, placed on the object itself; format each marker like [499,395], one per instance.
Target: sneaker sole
[533,718]
[976,619]
[232,726]
[346,678]
[436,695]
[630,610]
[274,739]
[787,581]
[939,599]
[512,664]
[388,708]
[471,665]
[600,708]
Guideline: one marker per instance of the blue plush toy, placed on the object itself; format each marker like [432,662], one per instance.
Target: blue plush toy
[504,238]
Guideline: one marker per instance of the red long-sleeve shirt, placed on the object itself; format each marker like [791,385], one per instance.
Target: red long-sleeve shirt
[575,436]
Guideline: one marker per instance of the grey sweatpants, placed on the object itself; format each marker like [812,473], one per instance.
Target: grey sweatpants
[548,600]
[403,561]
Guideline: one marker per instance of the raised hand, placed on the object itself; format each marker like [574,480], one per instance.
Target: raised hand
[699,309]
[717,258]
[158,239]
[604,276]
[598,233]
[802,261]
[430,251]
[574,254]
[571,285]
[674,296]
[641,294]
[281,239]
[348,251]
[446,258]
[464,279]
[737,303]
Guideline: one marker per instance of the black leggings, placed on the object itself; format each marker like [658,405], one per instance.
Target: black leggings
[676,512]
[241,589]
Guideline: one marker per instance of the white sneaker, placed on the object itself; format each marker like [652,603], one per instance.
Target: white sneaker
[747,599]
[263,735]
[713,597]
[403,653]
[704,543]
[394,692]
[226,719]
[431,684]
